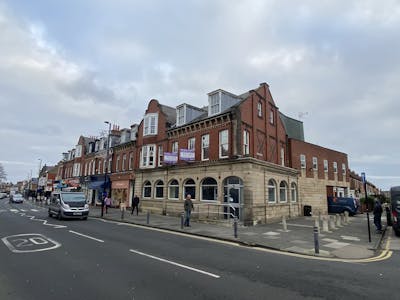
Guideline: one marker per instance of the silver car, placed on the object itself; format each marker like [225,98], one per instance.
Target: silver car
[17,198]
[68,205]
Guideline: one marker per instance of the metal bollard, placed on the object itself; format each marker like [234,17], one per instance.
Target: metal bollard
[325,227]
[182,217]
[342,219]
[316,224]
[338,223]
[148,218]
[235,225]
[316,240]
[346,217]
[332,222]
[284,224]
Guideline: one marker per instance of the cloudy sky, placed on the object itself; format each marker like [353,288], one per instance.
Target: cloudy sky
[66,66]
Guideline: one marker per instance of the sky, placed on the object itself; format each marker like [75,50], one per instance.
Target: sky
[68,66]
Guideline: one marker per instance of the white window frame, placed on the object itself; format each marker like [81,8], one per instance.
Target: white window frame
[205,144]
[78,152]
[282,156]
[315,163]
[335,167]
[303,162]
[271,117]
[189,185]
[175,147]
[170,185]
[123,162]
[157,185]
[223,141]
[326,166]
[283,189]
[214,106]
[104,166]
[215,186]
[148,152]
[272,186]
[99,167]
[344,169]
[293,190]
[150,124]
[145,185]
[259,109]
[246,142]
[180,115]
[160,155]
[191,143]
[130,164]
[117,164]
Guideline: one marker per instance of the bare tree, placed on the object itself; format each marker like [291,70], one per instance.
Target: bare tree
[3,175]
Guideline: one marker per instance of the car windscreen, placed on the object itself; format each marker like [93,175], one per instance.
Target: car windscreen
[73,197]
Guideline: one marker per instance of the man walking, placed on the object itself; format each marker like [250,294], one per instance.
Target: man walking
[135,204]
[188,206]
[377,215]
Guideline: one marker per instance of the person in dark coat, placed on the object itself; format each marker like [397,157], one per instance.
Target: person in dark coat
[135,204]
[188,207]
[377,215]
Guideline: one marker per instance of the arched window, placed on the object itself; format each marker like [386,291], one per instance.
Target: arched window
[271,191]
[293,190]
[147,189]
[189,187]
[159,189]
[209,189]
[283,191]
[173,190]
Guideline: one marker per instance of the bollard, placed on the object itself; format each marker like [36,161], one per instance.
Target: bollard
[122,214]
[342,219]
[148,218]
[284,224]
[316,240]
[346,217]
[332,222]
[325,227]
[182,217]
[235,225]
[316,224]
[338,223]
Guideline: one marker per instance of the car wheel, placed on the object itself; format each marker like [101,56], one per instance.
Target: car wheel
[84,218]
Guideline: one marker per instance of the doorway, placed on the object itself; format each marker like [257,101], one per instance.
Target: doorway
[233,197]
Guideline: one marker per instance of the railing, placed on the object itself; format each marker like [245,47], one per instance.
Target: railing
[216,211]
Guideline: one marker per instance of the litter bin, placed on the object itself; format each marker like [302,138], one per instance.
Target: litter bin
[307,210]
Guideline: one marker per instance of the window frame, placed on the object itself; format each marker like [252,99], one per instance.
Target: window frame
[157,185]
[283,189]
[145,156]
[146,184]
[214,186]
[259,109]
[246,142]
[191,185]
[315,163]
[335,168]
[326,166]
[176,186]
[203,147]
[160,155]
[223,141]
[148,127]
[293,191]
[274,188]
[191,143]
[303,162]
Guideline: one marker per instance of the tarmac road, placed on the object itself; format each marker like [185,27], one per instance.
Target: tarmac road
[43,258]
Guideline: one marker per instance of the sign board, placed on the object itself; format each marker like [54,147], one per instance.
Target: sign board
[170,157]
[186,154]
[363,177]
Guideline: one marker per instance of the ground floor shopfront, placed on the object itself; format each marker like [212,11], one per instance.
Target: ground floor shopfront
[251,190]
[122,186]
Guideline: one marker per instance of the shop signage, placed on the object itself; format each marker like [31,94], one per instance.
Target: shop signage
[170,157]
[186,154]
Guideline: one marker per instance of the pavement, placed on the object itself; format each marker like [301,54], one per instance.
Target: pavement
[349,241]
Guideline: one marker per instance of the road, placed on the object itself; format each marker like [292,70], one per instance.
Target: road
[98,259]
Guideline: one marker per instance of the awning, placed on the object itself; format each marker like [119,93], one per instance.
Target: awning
[96,185]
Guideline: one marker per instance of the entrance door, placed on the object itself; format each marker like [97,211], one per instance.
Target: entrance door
[233,191]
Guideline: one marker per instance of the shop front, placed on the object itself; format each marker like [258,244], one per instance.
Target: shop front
[95,187]
[121,189]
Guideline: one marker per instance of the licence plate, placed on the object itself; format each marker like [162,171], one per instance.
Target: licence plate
[77,214]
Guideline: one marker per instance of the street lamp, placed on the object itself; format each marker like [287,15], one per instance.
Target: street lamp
[37,186]
[106,170]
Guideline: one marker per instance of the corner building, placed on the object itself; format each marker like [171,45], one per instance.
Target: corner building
[231,156]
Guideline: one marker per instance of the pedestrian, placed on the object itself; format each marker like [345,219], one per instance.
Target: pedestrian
[135,204]
[377,215]
[122,206]
[107,202]
[188,207]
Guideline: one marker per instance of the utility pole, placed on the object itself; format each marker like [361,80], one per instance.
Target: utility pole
[106,170]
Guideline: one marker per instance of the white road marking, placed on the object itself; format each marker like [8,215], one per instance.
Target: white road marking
[3,210]
[174,263]
[14,210]
[22,209]
[32,209]
[25,243]
[86,236]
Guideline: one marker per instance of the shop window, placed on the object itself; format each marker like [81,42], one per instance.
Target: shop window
[209,189]
[271,191]
[159,189]
[147,189]
[173,190]
[283,191]
[189,187]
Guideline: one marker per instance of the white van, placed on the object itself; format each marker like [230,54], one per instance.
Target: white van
[68,205]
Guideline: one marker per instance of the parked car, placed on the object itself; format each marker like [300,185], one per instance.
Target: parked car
[339,205]
[16,198]
[68,205]
[3,195]
[395,205]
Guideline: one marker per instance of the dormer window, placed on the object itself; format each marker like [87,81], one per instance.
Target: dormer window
[150,124]
[214,107]
[180,115]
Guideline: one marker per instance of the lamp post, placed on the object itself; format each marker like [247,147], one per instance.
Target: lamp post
[37,186]
[106,170]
